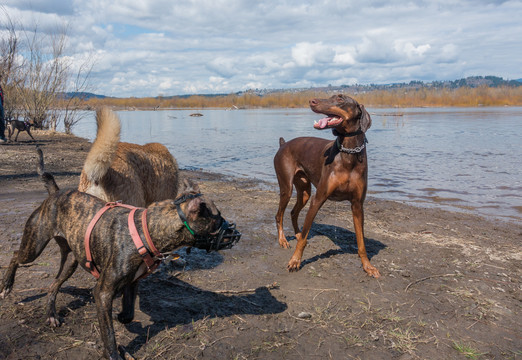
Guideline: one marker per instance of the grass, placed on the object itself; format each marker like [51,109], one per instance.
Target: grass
[390,316]
[467,350]
[480,306]
[354,340]
[274,343]
[403,340]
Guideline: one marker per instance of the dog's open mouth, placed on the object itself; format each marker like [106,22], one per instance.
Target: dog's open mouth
[328,122]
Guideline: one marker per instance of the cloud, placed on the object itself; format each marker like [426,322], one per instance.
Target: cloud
[143,48]
[344,55]
[42,6]
[308,54]
[225,67]
[409,50]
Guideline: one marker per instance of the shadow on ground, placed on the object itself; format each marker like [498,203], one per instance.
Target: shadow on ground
[344,239]
[171,302]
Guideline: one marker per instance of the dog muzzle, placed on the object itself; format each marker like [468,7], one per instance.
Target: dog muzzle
[223,238]
[226,237]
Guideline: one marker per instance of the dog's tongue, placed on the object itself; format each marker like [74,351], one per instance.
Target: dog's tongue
[321,124]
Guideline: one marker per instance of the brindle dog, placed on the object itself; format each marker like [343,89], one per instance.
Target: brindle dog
[338,169]
[65,216]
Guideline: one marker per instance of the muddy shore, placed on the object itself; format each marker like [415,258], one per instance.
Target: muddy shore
[450,285]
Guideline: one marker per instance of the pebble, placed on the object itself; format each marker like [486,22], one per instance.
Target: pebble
[304,315]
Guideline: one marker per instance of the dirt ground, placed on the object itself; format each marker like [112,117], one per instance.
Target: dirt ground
[450,285]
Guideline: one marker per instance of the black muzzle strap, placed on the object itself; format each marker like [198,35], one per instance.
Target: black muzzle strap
[181,214]
[224,238]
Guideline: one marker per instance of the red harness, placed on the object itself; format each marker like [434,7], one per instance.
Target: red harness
[145,254]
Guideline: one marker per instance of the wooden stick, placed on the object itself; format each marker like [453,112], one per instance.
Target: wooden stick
[426,278]
[269,287]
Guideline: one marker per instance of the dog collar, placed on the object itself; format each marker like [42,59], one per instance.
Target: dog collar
[350,134]
[354,150]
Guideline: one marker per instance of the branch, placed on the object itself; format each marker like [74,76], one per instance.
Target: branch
[426,278]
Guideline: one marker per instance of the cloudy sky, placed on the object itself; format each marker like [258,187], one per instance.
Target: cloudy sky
[174,47]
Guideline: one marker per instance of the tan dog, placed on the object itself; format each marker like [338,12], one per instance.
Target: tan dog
[135,174]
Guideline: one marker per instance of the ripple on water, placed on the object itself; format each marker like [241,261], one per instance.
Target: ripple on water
[417,159]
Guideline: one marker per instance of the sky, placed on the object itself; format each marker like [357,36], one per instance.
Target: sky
[147,48]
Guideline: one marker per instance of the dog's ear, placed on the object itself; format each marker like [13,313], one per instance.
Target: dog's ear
[189,186]
[365,119]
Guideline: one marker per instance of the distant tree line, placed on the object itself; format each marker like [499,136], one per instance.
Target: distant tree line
[482,95]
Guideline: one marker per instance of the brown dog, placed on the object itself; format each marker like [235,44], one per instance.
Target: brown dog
[191,220]
[135,174]
[338,169]
[19,126]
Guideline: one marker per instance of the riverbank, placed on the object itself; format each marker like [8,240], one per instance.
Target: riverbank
[450,282]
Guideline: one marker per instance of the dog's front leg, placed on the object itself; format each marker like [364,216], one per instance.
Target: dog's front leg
[128,302]
[358,222]
[295,261]
[103,295]
[29,132]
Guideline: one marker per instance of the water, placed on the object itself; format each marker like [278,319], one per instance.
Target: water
[467,159]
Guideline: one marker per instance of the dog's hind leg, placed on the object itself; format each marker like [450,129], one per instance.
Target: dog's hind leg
[61,277]
[285,193]
[128,302]
[52,317]
[31,247]
[303,190]
[10,131]
[285,178]
[8,280]
[64,252]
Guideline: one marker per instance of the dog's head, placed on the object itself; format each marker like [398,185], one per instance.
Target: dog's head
[200,221]
[344,114]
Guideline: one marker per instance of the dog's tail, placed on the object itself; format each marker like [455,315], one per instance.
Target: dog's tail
[103,149]
[281,141]
[47,178]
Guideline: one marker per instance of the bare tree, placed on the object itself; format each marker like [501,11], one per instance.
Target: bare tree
[45,75]
[38,79]
[10,68]
[79,84]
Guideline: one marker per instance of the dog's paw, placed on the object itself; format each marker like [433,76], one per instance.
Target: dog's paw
[294,265]
[372,271]
[124,318]
[4,293]
[53,321]
[284,243]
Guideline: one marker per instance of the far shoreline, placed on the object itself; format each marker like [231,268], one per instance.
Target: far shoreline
[133,108]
